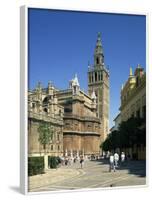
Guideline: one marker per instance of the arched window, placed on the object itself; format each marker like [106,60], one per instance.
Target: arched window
[97,60]
[98,76]
[60,113]
[58,137]
[95,76]
[45,110]
[92,78]
[45,101]
[33,105]
[89,78]
[74,89]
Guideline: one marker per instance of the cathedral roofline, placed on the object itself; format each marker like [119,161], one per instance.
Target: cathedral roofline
[85,94]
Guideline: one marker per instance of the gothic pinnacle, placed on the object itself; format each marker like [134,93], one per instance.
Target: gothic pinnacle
[130,74]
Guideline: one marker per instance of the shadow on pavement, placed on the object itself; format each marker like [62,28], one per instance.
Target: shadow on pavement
[137,168]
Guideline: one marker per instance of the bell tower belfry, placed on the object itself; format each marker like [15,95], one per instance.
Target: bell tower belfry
[98,81]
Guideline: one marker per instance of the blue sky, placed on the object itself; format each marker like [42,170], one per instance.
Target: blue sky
[61,43]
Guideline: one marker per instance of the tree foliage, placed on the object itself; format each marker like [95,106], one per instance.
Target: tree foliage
[45,134]
[129,133]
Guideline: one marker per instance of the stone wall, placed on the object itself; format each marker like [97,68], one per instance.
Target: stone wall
[82,143]
[35,148]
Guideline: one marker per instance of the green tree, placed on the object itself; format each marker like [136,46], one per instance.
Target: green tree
[124,135]
[112,141]
[130,133]
[106,145]
[115,139]
[45,134]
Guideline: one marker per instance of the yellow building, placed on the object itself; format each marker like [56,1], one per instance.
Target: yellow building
[133,99]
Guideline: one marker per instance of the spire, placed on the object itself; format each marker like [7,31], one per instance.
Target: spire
[50,88]
[49,84]
[130,74]
[39,91]
[75,80]
[74,85]
[98,53]
[88,64]
[122,87]
[99,39]
[98,49]
[39,85]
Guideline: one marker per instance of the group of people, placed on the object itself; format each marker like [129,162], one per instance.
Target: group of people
[114,160]
[69,160]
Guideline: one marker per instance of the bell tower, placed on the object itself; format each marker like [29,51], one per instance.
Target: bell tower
[98,81]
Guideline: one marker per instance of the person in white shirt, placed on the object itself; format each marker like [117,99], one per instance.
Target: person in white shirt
[122,157]
[116,159]
[111,163]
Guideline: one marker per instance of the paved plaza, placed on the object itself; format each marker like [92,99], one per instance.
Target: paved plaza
[95,174]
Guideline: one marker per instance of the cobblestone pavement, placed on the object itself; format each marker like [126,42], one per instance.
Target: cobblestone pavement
[95,174]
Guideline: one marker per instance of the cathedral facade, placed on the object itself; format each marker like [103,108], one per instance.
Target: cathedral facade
[80,120]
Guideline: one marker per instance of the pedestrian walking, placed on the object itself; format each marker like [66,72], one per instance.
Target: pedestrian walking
[111,163]
[116,159]
[71,160]
[75,159]
[82,162]
[66,161]
[122,158]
